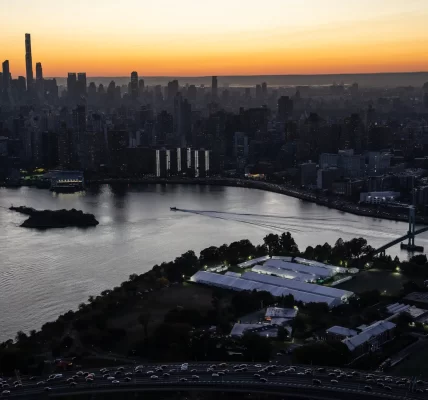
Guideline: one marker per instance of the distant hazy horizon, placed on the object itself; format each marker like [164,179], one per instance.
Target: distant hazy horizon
[194,38]
[379,79]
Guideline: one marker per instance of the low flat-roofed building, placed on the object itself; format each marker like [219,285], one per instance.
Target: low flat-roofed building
[371,338]
[279,312]
[378,197]
[264,330]
[253,262]
[340,333]
[234,274]
[311,263]
[417,297]
[239,284]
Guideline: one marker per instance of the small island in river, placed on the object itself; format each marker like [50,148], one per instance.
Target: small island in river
[48,219]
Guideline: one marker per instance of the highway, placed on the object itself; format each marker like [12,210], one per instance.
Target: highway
[273,378]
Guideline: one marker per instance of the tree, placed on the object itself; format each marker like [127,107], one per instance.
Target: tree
[209,255]
[287,301]
[309,253]
[162,282]
[272,243]
[410,286]
[282,334]
[144,320]
[322,253]
[287,243]
[21,337]
[257,348]
[170,341]
[322,353]
[419,259]
[67,342]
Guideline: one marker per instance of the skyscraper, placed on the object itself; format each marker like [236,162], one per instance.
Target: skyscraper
[39,71]
[39,80]
[214,88]
[81,84]
[6,76]
[71,85]
[134,85]
[28,60]
[285,108]
[141,86]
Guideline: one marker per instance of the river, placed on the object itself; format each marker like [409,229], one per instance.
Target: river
[45,273]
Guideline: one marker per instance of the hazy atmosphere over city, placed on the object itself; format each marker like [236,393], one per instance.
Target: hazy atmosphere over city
[203,199]
[226,37]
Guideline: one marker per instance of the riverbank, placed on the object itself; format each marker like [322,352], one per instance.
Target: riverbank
[337,203]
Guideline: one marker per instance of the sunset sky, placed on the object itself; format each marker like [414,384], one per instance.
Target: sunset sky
[221,37]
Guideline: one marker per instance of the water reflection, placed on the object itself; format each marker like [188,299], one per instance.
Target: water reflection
[44,274]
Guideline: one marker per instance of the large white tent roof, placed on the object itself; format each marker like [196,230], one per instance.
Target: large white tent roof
[234,283]
[283,273]
[297,285]
[291,266]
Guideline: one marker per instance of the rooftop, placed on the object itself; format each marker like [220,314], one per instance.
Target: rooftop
[421,297]
[340,330]
[260,329]
[368,333]
[277,312]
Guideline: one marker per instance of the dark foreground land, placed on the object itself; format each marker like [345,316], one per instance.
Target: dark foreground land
[48,219]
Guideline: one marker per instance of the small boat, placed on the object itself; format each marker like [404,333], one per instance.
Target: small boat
[173,208]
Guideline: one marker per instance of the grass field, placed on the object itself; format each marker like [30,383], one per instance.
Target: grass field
[385,281]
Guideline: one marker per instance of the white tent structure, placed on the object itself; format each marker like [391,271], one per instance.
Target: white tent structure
[283,273]
[316,272]
[255,282]
[293,284]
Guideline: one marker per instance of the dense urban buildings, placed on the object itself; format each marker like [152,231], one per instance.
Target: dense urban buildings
[338,140]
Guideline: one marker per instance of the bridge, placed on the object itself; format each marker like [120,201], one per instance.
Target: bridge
[410,235]
[298,382]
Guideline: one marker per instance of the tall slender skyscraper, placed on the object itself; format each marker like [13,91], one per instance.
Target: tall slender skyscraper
[6,76]
[72,86]
[28,60]
[134,85]
[214,88]
[6,82]
[39,71]
[39,80]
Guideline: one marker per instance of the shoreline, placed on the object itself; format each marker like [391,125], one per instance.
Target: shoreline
[343,206]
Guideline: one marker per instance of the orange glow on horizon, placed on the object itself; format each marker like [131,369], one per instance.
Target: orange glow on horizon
[337,42]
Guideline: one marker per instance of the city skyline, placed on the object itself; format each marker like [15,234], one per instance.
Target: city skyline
[192,39]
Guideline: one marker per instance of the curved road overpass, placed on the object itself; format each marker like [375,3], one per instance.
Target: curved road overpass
[295,384]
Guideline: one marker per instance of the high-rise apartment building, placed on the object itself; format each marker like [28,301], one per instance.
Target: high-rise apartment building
[214,88]
[28,61]
[134,85]
[71,85]
[6,77]
[141,87]
[39,71]
[81,84]
[285,108]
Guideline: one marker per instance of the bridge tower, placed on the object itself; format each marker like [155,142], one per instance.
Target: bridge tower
[412,224]
[411,233]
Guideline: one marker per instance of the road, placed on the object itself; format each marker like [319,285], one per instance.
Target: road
[276,381]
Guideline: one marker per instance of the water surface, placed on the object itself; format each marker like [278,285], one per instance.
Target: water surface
[45,273]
